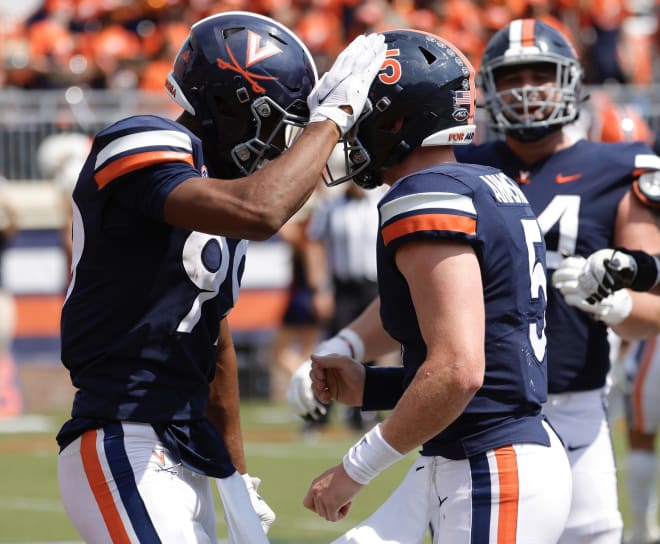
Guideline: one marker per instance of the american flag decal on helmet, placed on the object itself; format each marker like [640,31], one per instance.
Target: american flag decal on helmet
[462,98]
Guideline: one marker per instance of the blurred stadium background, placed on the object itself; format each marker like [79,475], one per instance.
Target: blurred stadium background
[71,67]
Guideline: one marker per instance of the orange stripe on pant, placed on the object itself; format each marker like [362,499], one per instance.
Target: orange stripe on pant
[507,469]
[100,489]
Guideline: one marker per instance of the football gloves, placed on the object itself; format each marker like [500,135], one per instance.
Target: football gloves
[299,393]
[608,270]
[347,83]
[611,309]
[264,512]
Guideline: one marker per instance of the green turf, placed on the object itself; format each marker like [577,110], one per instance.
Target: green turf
[30,510]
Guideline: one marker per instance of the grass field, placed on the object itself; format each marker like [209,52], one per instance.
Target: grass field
[30,510]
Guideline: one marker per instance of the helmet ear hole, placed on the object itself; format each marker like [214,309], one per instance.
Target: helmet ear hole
[430,57]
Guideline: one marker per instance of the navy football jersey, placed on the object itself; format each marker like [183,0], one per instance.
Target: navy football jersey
[140,322]
[574,193]
[482,207]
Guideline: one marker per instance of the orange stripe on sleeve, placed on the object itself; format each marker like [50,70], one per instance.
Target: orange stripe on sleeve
[436,221]
[527,34]
[640,380]
[507,468]
[100,489]
[134,162]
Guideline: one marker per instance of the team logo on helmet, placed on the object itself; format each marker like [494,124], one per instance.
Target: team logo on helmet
[255,53]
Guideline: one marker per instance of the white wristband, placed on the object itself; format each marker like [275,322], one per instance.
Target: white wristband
[369,457]
[355,343]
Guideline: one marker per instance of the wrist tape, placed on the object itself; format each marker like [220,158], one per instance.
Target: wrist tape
[369,457]
[648,271]
[354,342]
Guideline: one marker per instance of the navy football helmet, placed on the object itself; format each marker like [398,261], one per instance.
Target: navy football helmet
[245,78]
[531,112]
[424,95]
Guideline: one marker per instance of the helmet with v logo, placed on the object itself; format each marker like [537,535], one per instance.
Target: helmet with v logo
[245,78]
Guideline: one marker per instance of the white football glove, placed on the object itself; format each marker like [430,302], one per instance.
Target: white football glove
[347,83]
[264,512]
[611,310]
[299,393]
[608,270]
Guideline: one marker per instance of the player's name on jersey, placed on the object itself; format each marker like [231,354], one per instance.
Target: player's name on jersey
[504,189]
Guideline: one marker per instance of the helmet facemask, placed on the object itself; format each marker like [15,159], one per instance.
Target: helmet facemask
[275,131]
[245,79]
[532,110]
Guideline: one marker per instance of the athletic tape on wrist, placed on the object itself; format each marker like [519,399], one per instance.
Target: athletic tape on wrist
[335,114]
[369,457]
[354,342]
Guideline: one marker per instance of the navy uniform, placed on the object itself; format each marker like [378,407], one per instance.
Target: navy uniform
[498,469]
[141,349]
[575,194]
[151,334]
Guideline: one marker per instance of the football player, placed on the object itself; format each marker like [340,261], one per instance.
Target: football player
[582,194]
[462,291]
[163,211]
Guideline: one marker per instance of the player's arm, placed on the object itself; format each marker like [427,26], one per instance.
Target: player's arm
[438,274]
[223,407]
[256,206]
[364,339]
[610,284]
[223,411]
[636,230]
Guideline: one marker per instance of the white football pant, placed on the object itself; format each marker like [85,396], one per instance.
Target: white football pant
[517,494]
[580,419]
[129,490]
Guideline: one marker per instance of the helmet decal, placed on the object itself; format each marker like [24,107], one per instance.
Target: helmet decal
[391,68]
[236,67]
[255,53]
[423,96]
[245,78]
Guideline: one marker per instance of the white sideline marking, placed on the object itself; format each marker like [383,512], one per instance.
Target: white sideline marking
[30,504]
[26,424]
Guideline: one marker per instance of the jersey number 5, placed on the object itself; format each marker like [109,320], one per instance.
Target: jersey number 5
[538,285]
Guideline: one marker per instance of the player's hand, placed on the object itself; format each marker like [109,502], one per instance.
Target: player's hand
[300,396]
[264,512]
[347,82]
[299,393]
[611,310]
[338,377]
[331,493]
[606,271]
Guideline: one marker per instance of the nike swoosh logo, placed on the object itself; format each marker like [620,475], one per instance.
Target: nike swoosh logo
[440,501]
[560,178]
[578,447]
